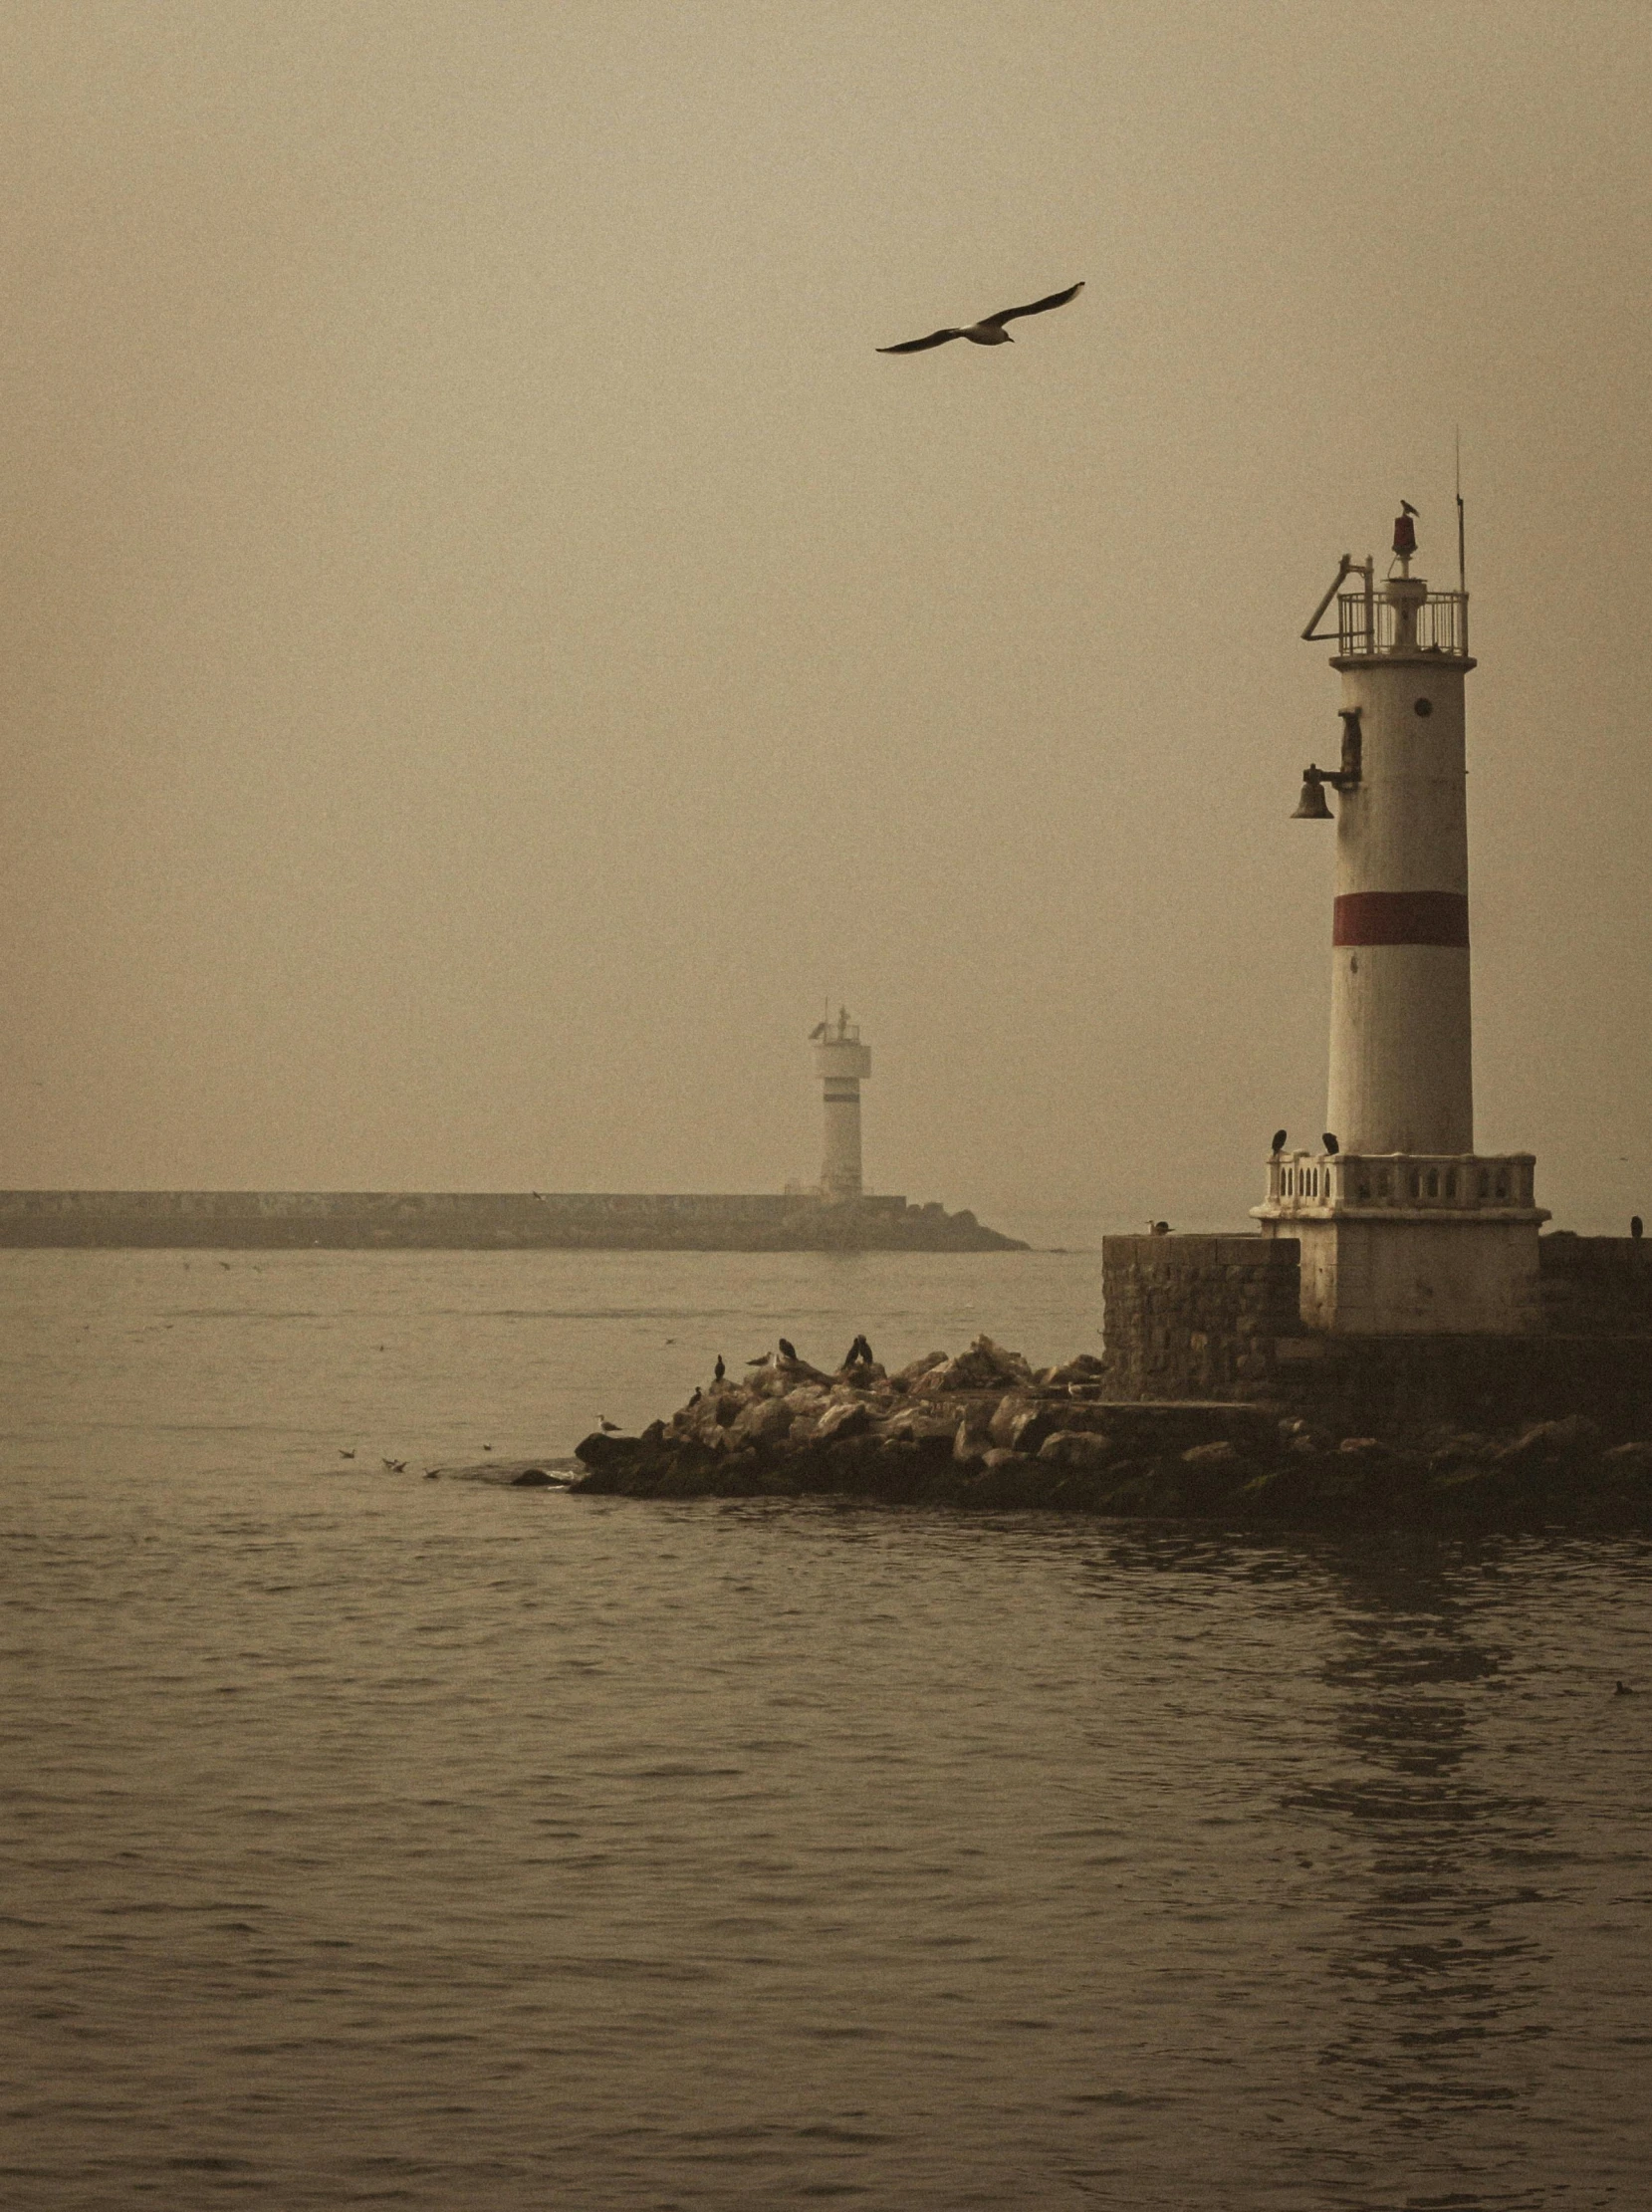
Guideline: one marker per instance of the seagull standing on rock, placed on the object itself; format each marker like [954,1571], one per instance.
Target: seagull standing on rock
[990,330]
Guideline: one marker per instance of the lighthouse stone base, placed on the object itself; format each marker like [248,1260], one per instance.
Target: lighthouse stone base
[1405,1244]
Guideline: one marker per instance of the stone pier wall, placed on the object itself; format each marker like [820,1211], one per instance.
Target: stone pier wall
[1219,1316]
[364,1220]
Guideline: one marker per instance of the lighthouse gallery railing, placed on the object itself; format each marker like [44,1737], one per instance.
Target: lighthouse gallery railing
[1441,623]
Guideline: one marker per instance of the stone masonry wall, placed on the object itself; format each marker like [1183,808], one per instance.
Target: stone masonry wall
[1596,1286]
[1203,1316]
[1196,1316]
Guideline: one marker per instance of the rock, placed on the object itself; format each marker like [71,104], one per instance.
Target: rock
[845,1419]
[1086,1368]
[766,1422]
[984,1367]
[1629,1459]
[969,1446]
[1003,1416]
[914,1425]
[1576,1437]
[909,1376]
[1077,1450]
[1219,1454]
[1363,1447]
[999,1457]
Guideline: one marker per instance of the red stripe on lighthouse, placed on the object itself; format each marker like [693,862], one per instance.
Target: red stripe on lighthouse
[1402,918]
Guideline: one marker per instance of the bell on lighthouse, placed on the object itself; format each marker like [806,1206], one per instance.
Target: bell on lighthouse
[1310,807]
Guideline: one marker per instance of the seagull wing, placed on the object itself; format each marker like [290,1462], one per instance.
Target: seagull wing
[935,337]
[1037,307]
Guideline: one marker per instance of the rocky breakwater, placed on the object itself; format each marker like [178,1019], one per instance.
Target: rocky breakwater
[983,1430]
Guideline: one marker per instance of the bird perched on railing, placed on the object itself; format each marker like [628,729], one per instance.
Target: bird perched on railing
[1330,1144]
[1280,1137]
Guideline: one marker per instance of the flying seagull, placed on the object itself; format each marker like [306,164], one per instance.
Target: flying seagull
[990,330]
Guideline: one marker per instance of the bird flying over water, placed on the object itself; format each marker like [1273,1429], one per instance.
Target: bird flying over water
[990,330]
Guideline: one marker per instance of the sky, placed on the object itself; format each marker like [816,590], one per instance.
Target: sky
[489,648]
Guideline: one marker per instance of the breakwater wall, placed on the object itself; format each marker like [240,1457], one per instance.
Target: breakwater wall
[985,1431]
[1220,1316]
[356,1220]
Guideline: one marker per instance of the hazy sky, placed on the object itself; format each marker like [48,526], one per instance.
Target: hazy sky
[489,645]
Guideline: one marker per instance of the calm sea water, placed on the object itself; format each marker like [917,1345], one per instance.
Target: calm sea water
[370,1840]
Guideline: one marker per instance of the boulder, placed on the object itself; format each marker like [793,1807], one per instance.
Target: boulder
[766,1422]
[847,1417]
[1079,1451]
[1085,1370]
[984,1367]
[1576,1437]
[1219,1454]
[909,1376]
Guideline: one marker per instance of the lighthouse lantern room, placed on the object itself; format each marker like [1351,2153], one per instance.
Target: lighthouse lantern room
[1403,1227]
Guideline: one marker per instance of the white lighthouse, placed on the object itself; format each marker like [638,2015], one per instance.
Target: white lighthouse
[1403,1226]
[840,1060]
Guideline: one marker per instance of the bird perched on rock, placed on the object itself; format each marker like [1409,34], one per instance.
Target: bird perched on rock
[788,1349]
[859,1353]
[990,330]
[609,1428]
[698,1395]
[1330,1144]
[1280,1137]
[718,1371]
[762,1361]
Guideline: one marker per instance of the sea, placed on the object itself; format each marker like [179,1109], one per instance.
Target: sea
[377,1839]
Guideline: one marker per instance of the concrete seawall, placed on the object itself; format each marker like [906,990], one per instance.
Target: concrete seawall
[483,1221]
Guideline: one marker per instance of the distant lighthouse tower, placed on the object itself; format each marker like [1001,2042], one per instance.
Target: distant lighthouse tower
[1403,1226]
[840,1060]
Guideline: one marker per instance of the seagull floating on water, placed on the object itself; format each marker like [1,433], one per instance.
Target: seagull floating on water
[990,330]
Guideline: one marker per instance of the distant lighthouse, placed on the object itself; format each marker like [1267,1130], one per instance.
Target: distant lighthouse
[1403,1226]
[840,1060]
